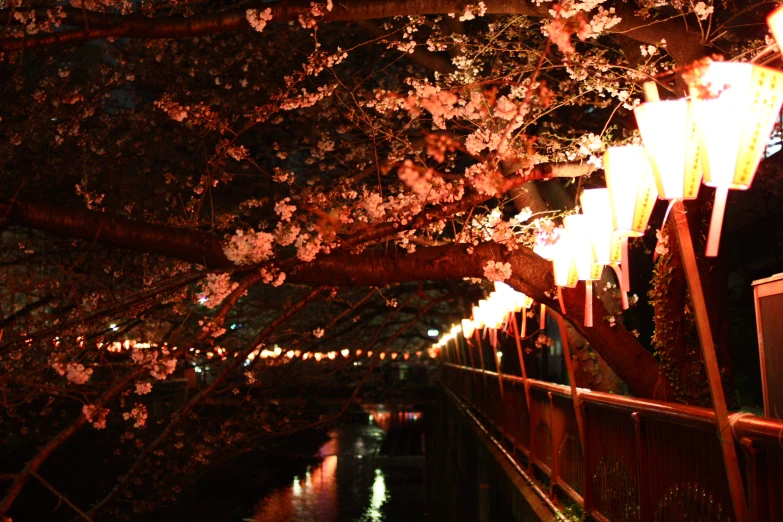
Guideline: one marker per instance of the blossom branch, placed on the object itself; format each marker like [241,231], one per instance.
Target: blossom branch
[684,45]
[289,312]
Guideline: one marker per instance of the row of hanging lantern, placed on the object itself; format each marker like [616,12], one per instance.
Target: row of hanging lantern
[717,136]
[490,315]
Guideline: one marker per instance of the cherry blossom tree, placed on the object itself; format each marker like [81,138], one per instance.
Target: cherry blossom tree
[215,178]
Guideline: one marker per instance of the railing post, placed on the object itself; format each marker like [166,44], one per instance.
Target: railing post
[754,480]
[645,509]
[725,435]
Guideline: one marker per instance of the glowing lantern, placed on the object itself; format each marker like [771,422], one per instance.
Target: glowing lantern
[467,328]
[597,206]
[563,266]
[344,352]
[775,22]
[668,131]
[478,316]
[632,193]
[578,228]
[735,106]
[632,190]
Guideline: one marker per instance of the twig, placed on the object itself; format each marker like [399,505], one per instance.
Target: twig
[60,495]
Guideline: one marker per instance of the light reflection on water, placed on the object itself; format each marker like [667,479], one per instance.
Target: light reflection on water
[350,484]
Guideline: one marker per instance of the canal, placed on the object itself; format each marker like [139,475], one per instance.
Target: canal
[371,469]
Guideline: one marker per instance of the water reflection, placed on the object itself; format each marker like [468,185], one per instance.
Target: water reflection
[353,482]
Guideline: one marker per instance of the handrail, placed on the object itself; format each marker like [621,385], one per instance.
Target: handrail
[664,410]
[752,426]
[637,453]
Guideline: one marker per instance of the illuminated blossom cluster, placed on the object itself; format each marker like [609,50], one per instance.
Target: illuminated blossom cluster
[497,271]
[143,388]
[74,372]
[249,248]
[284,210]
[95,415]
[258,18]
[138,414]
[427,184]
[471,11]
[702,10]
[159,368]
[214,288]
[307,247]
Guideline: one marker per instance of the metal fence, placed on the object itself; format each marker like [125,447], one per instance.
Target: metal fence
[640,461]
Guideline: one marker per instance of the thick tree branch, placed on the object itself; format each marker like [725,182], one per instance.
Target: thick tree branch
[532,275]
[683,45]
[179,243]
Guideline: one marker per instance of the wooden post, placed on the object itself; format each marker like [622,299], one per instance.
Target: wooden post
[571,379]
[456,349]
[711,364]
[580,422]
[521,361]
[481,356]
[472,368]
[494,342]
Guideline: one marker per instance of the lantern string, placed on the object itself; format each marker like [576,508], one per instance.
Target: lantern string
[716,222]
[663,226]
[588,303]
[560,300]
[523,333]
[542,319]
[623,294]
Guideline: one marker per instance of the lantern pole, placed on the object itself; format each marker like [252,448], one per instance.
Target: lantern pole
[711,364]
[469,346]
[572,379]
[494,343]
[456,349]
[520,353]
[481,355]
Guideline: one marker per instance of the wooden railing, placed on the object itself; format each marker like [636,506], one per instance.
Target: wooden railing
[641,460]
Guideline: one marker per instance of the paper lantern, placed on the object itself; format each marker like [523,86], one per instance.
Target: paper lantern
[632,190]
[467,328]
[735,106]
[578,228]
[596,205]
[668,130]
[494,311]
[563,265]
[775,22]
